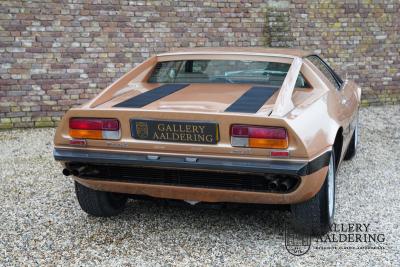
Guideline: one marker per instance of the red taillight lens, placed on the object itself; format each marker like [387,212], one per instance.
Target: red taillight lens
[267,133]
[94,128]
[94,124]
[258,132]
[239,131]
[259,136]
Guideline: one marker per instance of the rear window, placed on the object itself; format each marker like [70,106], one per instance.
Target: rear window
[223,71]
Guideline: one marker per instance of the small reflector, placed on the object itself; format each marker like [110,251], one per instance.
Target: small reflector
[77,142]
[279,153]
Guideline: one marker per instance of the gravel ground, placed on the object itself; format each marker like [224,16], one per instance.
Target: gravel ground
[41,222]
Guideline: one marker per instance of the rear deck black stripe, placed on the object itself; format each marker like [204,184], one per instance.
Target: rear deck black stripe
[253,99]
[150,96]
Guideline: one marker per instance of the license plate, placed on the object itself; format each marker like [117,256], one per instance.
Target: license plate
[175,131]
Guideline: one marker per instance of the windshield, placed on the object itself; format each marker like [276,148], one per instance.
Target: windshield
[223,71]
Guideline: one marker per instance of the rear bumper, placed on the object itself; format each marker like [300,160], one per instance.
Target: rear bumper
[312,174]
[300,168]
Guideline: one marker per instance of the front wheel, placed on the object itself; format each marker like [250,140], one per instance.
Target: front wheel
[99,203]
[315,216]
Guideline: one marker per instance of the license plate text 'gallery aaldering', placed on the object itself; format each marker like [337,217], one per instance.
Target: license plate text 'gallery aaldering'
[175,131]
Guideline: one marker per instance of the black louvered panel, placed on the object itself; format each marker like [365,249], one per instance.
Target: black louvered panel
[189,178]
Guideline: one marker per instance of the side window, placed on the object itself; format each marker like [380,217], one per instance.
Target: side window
[326,70]
[301,82]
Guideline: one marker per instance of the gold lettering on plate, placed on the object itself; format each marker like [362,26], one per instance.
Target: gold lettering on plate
[161,127]
[202,129]
[182,133]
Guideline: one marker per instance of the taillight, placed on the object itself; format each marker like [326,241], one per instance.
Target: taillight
[94,128]
[259,136]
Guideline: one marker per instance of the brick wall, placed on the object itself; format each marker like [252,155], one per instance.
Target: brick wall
[57,54]
[360,38]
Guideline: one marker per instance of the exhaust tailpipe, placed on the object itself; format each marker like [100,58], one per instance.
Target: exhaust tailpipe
[273,185]
[79,171]
[66,172]
[286,185]
[74,172]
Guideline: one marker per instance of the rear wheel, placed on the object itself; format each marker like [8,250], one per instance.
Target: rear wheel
[99,203]
[351,149]
[315,216]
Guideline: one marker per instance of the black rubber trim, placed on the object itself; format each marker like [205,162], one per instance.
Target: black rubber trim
[151,96]
[253,99]
[316,164]
[179,162]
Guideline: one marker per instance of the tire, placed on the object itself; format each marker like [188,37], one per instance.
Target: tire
[352,147]
[99,203]
[315,216]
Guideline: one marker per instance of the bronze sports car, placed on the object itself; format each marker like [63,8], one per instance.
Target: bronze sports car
[250,125]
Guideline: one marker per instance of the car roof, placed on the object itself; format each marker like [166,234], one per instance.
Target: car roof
[284,52]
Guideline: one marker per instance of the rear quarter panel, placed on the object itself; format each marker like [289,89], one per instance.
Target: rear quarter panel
[317,122]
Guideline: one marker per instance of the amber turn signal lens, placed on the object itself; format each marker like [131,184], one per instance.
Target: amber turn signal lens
[86,134]
[268,143]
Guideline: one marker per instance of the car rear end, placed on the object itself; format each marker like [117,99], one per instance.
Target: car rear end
[201,157]
[197,138]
